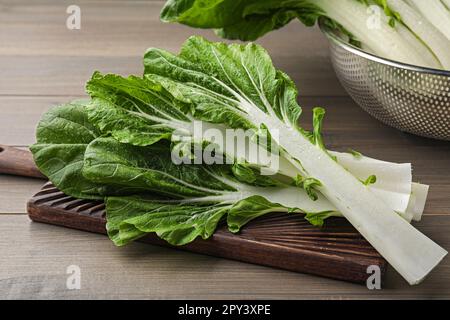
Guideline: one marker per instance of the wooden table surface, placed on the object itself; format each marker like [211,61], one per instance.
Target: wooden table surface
[42,63]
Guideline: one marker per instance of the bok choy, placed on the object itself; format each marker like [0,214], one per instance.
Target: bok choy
[411,31]
[123,104]
[238,86]
[120,146]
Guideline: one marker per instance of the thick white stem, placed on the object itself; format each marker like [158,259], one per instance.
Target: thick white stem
[393,180]
[419,198]
[446,3]
[425,30]
[375,31]
[393,183]
[409,251]
[436,13]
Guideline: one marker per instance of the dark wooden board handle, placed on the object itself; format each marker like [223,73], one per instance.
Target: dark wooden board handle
[18,162]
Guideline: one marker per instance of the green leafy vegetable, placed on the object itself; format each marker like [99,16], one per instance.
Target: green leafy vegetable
[242,80]
[120,103]
[112,168]
[122,146]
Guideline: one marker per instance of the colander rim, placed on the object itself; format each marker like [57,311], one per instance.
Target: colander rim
[392,63]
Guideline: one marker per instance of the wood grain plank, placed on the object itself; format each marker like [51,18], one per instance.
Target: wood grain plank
[15,192]
[20,116]
[113,37]
[307,249]
[35,257]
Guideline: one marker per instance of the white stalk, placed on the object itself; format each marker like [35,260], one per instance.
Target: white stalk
[409,251]
[293,197]
[393,186]
[425,30]
[419,198]
[436,13]
[394,181]
[419,46]
[383,39]
[446,3]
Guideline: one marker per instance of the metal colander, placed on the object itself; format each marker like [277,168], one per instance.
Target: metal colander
[409,98]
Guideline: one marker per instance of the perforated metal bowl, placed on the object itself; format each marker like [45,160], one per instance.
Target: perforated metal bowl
[410,98]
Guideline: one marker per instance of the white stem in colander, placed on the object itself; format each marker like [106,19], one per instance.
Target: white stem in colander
[383,39]
[425,30]
[436,13]
[447,4]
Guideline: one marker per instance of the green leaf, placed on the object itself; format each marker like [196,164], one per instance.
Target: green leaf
[250,175]
[204,14]
[370,180]
[356,154]
[318,115]
[132,217]
[150,170]
[225,83]
[249,209]
[240,19]
[318,219]
[179,223]
[254,207]
[62,137]
[309,185]
[134,110]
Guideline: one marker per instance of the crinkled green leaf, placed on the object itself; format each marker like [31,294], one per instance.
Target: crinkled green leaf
[318,219]
[191,198]
[309,185]
[224,83]
[133,110]
[250,175]
[177,223]
[240,19]
[150,169]
[62,137]
[249,209]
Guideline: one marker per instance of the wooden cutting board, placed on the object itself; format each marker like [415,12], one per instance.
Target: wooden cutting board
[283,241]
